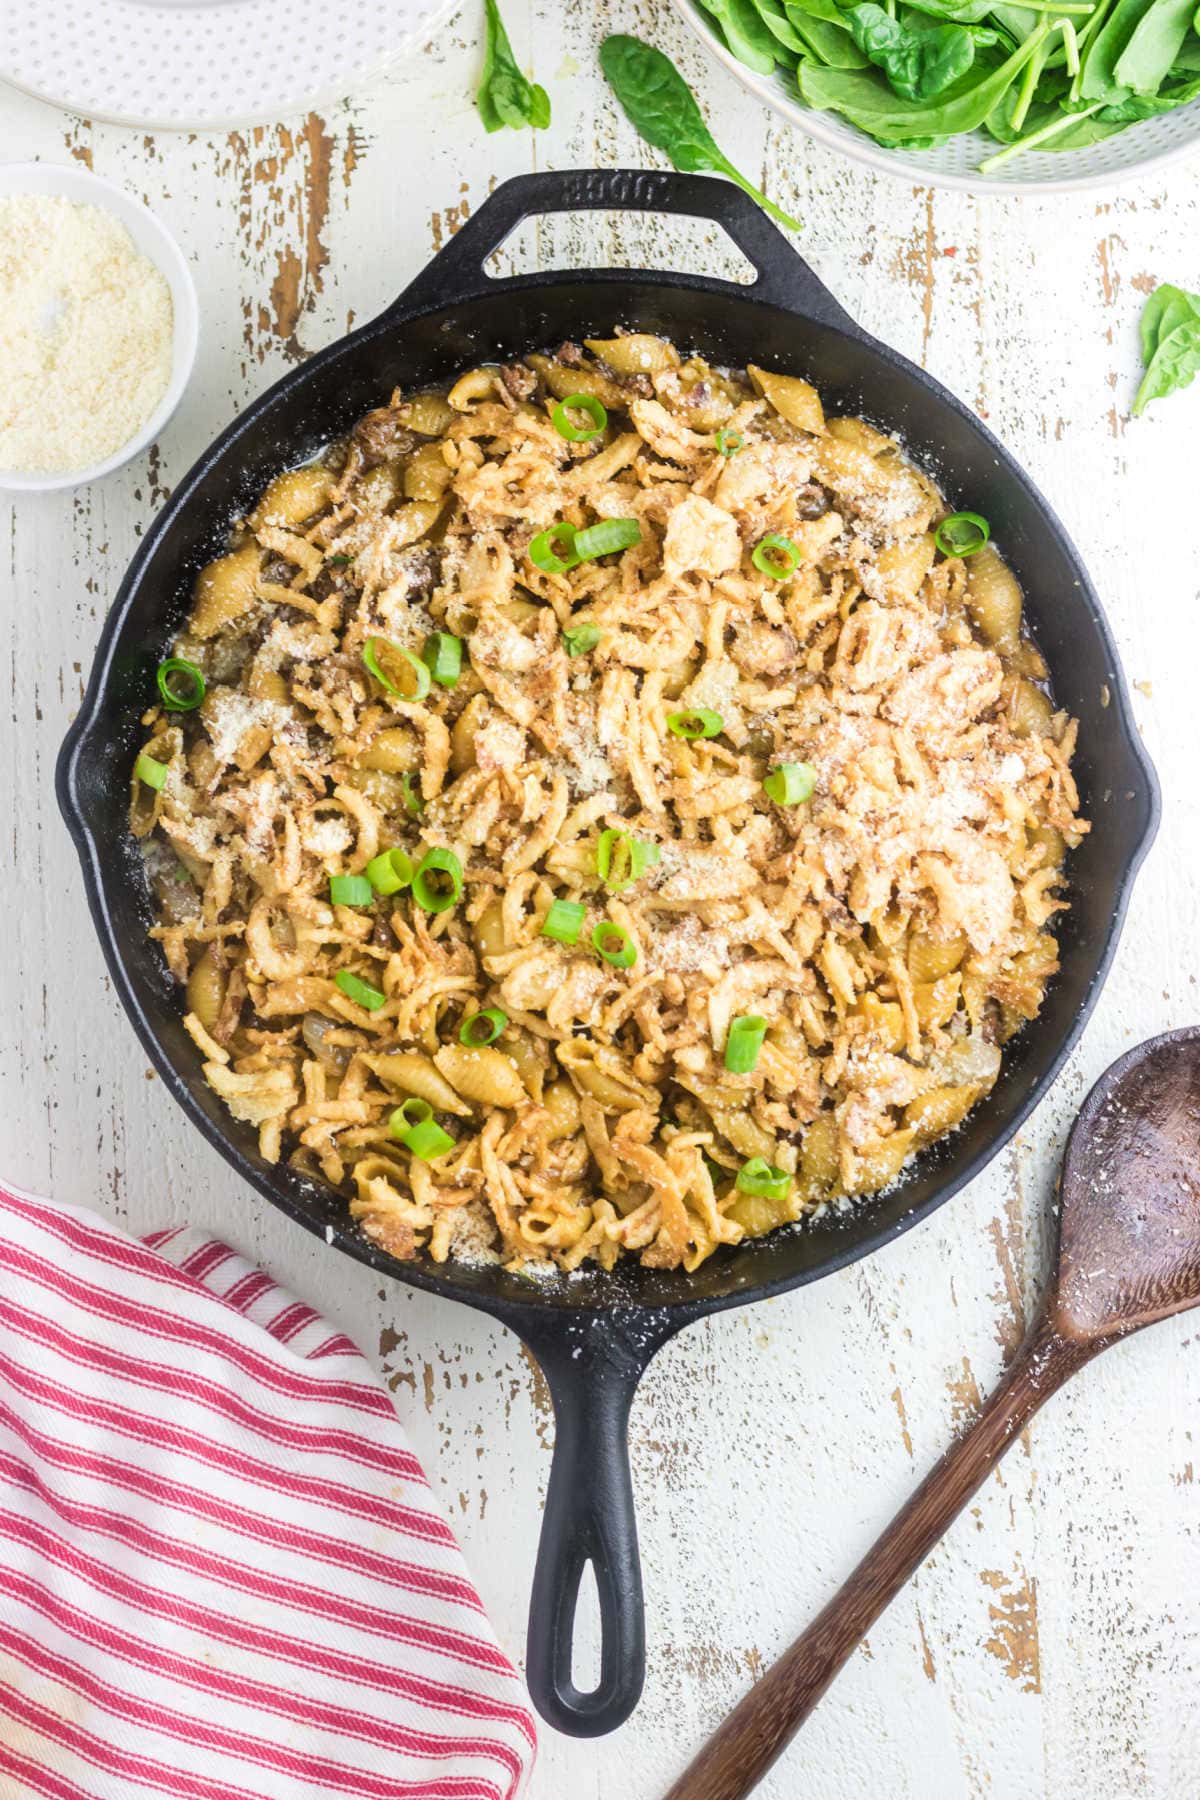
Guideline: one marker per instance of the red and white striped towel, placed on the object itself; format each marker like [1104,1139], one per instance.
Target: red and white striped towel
[222,1572]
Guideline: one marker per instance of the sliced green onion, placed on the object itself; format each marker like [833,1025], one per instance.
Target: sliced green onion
[148,770]
[340,562]
[443,658]
[776,556]
[758,1176]
[579,639]
[553,550]
[584,403]
[396,668]
[414,800]
[355,988]
[414,1125]
[180,695]
[427,1140]
[350,890]
[481,1028]
[962,534]
[621,860]
[390,871]
[564,921]
[744,1042]
[410,1112]
[438,881]
[614,944]
[729,442]
[607,536]
[696,722]
[790,783]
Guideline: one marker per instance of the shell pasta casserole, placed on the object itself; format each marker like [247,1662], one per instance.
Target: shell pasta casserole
[605,808]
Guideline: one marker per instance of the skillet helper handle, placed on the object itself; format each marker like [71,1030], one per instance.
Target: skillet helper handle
[592,1373]
[742,1749]
[457,272]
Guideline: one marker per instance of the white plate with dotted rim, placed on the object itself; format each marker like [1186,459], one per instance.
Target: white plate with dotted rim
[1130,153]
[197,65]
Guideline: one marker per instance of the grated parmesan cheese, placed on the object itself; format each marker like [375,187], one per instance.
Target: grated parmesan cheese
[85,334]
[229,716]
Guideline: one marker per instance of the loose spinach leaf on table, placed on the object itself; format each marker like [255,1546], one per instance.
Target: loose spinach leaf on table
[662,108]
[1170,330]
[505,96]
[1174,365]
[920,59]
[1165,298]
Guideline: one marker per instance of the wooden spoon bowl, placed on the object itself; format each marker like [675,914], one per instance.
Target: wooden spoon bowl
[1128,1255]
[1129,1234]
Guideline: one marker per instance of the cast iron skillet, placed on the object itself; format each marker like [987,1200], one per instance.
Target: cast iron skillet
[594,1334]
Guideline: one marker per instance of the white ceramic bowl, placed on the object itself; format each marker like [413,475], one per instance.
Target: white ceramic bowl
[154,241]
[1129,153]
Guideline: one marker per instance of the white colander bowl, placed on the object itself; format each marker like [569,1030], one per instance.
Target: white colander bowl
[1129,153]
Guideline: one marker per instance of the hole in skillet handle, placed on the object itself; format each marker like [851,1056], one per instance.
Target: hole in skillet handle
[572,243]
[592,1365]
[783,278]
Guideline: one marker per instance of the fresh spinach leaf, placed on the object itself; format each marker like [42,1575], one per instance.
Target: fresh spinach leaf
[1148,106]
[1170,334]
[918,143]
[505,97]
[959,12]
[999,122]
[832,45]
[1174,365]
[1098,80]
[1167,307]
[1156,41]
[775,18]
[920,59]
[743,30]
[869,102]
[662,108]
[919,72]
[829,10]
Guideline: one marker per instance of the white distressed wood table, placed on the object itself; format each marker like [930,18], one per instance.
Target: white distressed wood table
[1052,1645]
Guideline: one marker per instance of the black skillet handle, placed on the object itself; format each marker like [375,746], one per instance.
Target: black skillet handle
[783,278]
[593,1368]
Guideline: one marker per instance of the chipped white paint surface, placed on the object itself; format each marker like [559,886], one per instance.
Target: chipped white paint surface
[1052,1645]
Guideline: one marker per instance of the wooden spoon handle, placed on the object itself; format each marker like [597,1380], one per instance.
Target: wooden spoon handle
[742,1749]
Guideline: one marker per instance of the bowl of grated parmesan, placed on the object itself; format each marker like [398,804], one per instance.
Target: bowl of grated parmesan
[98,327]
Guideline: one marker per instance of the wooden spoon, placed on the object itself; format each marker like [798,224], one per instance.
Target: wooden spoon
[1128,1254]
